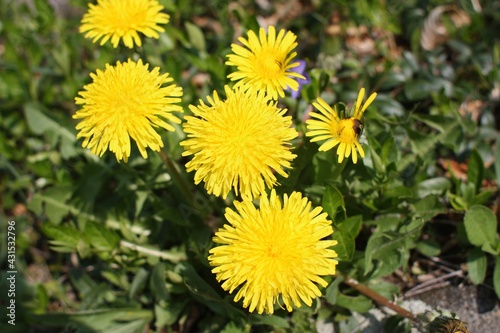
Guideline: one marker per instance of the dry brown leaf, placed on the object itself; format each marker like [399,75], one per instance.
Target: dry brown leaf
[434,31]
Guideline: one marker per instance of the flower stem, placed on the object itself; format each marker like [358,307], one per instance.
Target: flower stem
[176,175]
[338,169]
[173,257]
[372,294]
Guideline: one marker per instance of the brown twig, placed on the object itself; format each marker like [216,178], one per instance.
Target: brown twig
[373,295]
[413,293]
[433,282]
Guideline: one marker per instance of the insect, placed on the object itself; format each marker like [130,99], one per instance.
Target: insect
[357,127]
[279,63]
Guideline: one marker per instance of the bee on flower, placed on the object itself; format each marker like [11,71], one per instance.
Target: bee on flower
[336,130]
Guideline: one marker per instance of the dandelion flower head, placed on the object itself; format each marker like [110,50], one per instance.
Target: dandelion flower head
[265,62]
[238,143]
[274,253]
[344,132]
[123,19]
[126,101]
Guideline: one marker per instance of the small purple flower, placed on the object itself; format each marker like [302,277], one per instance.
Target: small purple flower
[301,69]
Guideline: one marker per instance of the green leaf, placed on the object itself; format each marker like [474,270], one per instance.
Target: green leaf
[428,207]
[39,123]
[52,202]
[333,201]
[382,245]
[345,246]
[197,285]
[234,328]
[376,160]
[476,265]
[205,294]
[438,186]
[168,312]
[332,291]
[475,170]
[196,37]
[123,320]
[101,238]
[271,320]
[480,226]
[64,237]
[351,225]
[491,248]
[387,222]
[83,247]
[388,263]
[422,143]
[419,89]
[358,303]
[497,158]
[157,282]
[138,283]
[389,105]
[429,247]
[481,198]
[496,276]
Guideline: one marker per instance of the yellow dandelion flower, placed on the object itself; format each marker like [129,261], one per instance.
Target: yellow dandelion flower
[275,253]
[339,131]
[126,101]
[123,19]
[238,143]
[265,62]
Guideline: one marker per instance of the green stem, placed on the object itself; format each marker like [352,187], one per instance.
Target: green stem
[176,175]
[173,257]
[339,168]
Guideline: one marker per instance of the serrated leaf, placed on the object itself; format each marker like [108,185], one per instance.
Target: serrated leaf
[476,265]
[333,201]
[345,246]
[83,247]
[100,237]
[422,143]
[62,235]
[480,226]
